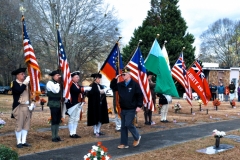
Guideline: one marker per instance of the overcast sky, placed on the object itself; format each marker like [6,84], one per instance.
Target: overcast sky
[198,14]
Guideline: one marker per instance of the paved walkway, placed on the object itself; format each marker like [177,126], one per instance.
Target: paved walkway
[149,141]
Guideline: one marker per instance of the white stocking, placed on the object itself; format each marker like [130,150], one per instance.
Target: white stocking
[166,112]
[70,127]
[75,128]
[162,115]
[24,136]
[95,129]
[98,127]
[18,136]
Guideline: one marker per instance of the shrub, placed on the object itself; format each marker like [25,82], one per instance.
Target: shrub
[7,153]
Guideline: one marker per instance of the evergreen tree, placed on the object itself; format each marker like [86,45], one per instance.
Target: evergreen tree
[163,18]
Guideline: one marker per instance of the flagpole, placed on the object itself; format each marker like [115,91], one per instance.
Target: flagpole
[22,9]
[193,61]
[58,63]
[181,52]
[164,42]
[59,69]
[119,39]
[118,64]
[140,41]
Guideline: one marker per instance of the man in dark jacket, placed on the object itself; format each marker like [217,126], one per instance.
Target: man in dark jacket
[130,100]
[232,91]
[221,89]
[54,103]
[213,89]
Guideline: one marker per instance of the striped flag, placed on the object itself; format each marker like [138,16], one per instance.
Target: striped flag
[32,65]
[139,74]
[66,75]
[179,72]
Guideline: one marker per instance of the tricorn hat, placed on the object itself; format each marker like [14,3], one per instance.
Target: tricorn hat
[149,73]
[54,73]
[126,70]
[19,70]
[96,75]
[75,73]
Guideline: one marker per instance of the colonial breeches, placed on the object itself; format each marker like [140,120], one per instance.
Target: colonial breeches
[55,115]
[23,117]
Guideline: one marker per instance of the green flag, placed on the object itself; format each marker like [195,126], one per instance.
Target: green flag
[156,63]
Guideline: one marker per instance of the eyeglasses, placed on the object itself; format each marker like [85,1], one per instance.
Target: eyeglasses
[123,74]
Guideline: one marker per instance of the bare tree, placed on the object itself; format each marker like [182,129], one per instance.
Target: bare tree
[11,52]
[88,30]
[220,42]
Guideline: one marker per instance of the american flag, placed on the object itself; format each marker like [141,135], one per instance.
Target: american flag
[66,75]
[139,74]
[32,65]
[179,72]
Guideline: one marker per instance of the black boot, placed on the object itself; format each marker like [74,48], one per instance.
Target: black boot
[146,116]
[150,116]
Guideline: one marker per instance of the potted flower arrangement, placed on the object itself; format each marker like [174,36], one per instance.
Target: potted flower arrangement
[98,152]
[216,103]
[2,123]
[177,107]
[233,103]
[217,135]
[42,102]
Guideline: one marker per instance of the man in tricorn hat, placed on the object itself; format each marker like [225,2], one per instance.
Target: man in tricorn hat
[21,104]
[97,106]
[74,106]
[54,102]
[131,101]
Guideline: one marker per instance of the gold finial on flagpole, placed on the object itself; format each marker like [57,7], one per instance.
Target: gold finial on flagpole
[57,25]
[22,9]
[157,35]
[120,37]
[183,48]
[140,41]
[198,56]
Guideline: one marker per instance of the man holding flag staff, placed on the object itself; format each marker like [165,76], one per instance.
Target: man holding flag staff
[54,103]
[21,106]
[74,106]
